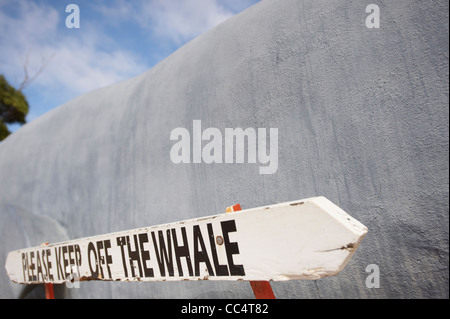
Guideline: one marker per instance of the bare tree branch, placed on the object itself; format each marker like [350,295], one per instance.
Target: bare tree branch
[27,80]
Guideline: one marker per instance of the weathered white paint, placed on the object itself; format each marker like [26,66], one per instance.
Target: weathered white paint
[305,239]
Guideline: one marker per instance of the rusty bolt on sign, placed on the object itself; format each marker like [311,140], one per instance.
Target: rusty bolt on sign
[219,240]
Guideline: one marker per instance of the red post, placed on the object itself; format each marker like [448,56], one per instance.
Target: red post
[261,289]
[49,294]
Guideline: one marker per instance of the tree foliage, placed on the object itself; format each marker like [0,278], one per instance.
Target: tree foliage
[13,107]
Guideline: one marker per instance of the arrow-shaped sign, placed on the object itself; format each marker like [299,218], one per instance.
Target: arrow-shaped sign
[305,239]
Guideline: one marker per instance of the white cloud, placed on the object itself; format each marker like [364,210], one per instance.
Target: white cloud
[96,54]
[78,63]
[171,20]
[21,32]
[182,20]
[82,67]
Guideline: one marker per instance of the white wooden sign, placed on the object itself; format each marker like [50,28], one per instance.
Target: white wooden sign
[305,239]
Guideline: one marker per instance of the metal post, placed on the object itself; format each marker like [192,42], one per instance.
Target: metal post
[261,289]
[49,293]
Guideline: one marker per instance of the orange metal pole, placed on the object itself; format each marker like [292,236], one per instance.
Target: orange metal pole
[261,289]
[49,293]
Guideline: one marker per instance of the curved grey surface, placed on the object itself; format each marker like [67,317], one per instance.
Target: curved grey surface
[362,118]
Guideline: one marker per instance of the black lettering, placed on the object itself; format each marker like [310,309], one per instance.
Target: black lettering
[221,270]
[200,255]
[39,267]
[182,251]
[108,258]
[122,241]
[231,248]
[101,259]
[133,255]
[49,264]
[91,249]
[163,253]
[31,267]
[66,262]
[71,254]
[58,262]
[77,258]
[44,264]
[145,254]
[25,266]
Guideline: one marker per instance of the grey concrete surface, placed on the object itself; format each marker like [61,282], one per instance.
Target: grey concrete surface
[363,120]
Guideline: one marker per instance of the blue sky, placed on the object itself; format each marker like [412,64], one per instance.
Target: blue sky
[117,40]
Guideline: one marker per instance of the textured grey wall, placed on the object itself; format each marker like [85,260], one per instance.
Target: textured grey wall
[362,117]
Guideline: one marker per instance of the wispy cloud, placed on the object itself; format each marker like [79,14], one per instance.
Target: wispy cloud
[175,20]
[183,20]
[79,64]
[118,39]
